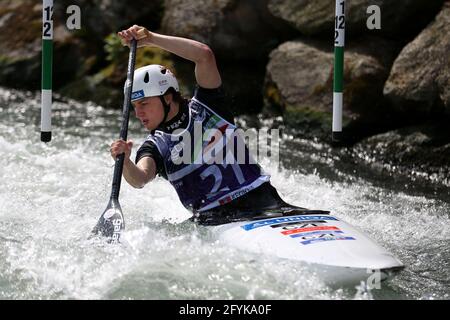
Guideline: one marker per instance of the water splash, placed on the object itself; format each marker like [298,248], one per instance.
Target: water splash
[52,195]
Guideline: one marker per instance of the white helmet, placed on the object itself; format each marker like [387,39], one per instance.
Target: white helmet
[152,81]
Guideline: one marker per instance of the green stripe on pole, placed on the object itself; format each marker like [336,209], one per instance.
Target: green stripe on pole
[338,69]
[46,78]
[47,58]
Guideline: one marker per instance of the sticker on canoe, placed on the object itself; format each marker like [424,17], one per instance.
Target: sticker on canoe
[263,223]
[300,230]
[312,241]
[316,234]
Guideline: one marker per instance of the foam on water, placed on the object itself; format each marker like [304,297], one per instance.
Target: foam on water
[52,196]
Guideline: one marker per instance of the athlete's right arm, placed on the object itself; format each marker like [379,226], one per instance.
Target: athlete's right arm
[137,175]
[206,72]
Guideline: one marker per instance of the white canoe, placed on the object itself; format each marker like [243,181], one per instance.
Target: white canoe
[337,252]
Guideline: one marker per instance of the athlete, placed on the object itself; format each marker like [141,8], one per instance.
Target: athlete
[215,192]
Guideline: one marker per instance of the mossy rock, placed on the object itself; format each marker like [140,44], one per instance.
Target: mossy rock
[118,54]
[20,73]
[114,74]
[309,122]
[273,100]
[89,89]
[306,116]
[4,61]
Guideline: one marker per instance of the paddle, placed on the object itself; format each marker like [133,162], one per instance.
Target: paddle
[111,222]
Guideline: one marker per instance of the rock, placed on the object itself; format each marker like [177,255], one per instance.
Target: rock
[316,17]
[299,84]
[196,18]
[20,51]
[234,29]
[419,81]
[90,88]
[20,29]
[105,87]
[76,53]
[102,17]
[419,152]
[20,39]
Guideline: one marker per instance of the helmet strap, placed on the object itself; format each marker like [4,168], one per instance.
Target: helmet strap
[166,110]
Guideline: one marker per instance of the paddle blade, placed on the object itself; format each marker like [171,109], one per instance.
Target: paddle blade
[111,223]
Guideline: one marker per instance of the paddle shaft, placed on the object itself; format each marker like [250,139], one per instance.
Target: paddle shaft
[118,168]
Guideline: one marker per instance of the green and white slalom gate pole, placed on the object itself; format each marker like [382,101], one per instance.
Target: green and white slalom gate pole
[338,84]
[47,61]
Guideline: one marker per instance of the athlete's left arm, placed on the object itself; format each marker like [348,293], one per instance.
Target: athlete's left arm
[206,71]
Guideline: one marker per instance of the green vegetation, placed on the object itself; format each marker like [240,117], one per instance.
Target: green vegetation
[117,55]
[115,51]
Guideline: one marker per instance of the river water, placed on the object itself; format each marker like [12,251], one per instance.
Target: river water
[52,195]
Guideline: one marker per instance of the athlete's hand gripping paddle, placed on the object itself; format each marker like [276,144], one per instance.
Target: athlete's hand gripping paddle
[111,222]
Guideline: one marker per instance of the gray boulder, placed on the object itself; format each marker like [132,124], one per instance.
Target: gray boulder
[299,84]
[419,82]
[20,44]
[234,29]
[313,17]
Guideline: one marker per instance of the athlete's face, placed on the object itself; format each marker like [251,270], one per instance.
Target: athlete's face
[149,111]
